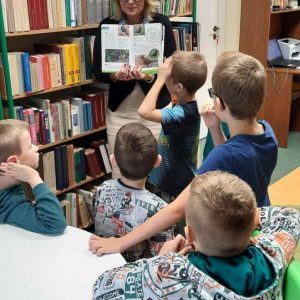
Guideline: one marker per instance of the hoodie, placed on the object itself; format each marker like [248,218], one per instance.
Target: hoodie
[45,217]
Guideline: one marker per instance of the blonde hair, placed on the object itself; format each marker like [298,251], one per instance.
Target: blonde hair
[240,81]
[10,131]
[221,210]
[148,11]
[228,54]
[189,69]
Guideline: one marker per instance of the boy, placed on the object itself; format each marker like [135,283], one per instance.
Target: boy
[18,158]
[239,87]
[121,205]
[221,215]
[183,73]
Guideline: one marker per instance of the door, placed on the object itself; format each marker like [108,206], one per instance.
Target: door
[210,14]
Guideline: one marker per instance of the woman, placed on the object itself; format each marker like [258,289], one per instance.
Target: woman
[127,89]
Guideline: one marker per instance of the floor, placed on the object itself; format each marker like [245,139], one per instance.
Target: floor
[288,160]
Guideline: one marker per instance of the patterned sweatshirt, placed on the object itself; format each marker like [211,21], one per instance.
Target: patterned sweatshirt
[173,276]
[119,209]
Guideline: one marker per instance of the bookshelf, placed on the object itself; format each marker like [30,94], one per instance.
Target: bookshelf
[88,179]
[258,25]
[42,147]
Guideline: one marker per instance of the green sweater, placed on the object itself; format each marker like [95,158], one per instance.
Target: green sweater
[45,217]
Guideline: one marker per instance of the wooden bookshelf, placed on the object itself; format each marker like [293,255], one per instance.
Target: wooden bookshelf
[288,10]
[51,30]
[88,179]
[62,87]
[41,147]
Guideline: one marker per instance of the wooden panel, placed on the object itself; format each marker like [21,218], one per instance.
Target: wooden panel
[295,115]
[277,106]
[291,25]
[254,28]
[275,26]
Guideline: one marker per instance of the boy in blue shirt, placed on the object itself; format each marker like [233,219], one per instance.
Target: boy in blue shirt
[178,141]
[239,88]
[19,158]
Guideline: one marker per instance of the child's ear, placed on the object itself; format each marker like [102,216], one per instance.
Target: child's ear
[12,159]
[219,104]
[189,234]
[179,87]
[113,161]
[158,161]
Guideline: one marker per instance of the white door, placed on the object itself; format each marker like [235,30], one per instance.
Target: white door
[209,14]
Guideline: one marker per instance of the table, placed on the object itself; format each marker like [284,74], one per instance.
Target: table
[61,267]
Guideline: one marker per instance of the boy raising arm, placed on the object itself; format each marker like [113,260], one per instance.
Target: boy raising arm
[19,159]
[239,87]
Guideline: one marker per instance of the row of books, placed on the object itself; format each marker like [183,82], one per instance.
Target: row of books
[187,36]
[78,208]
[174,7]
[67,117]
[25,15]
[57,65]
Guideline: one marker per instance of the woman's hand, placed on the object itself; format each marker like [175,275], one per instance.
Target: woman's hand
[124,74]
[136,72]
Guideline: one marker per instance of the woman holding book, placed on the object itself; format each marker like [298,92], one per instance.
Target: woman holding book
[128,88]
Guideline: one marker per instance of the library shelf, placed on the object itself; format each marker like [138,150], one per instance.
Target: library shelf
[62,87]
[41,147]
[88,179]
[50,30]
[285,10]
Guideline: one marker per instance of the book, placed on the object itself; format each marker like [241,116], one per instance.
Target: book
[68,63]
[77,164]
[51,170]
[42,133]
[134,44]
[92,98]
[64,156]
[75,119]
[105,155]
[47,126]
[85,116]
[26,72]
[47,174]
[76,63]
[32,126]
[59,169]
[89,114]
[78,102]
[66,207]
[14,79]
[88,198]
[82,212]
[39,61]
[90,167]
[82,164]
[70,150]
[20,72]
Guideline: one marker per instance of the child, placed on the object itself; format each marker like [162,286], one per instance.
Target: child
[239,87]
[221,215]
[183,73]
[209,144]
[19,158]
[121,205]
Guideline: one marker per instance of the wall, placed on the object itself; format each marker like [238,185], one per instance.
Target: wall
[232,25]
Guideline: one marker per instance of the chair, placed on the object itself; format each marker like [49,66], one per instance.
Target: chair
[291,282]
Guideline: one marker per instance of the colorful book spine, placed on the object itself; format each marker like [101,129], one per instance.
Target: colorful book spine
[76,62]
[47,128]
[68,13]
[58,169]
[85,116]
[69,68]
[26,72]
[39,61]
[64,155]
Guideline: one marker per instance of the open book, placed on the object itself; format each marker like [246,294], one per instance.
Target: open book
[132,44]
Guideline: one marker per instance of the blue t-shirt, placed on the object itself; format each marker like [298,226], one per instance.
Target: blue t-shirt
[178,145]
[250,157]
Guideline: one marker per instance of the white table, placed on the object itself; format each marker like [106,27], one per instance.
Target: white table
[39,267]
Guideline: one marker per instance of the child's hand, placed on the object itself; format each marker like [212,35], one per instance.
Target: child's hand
[178,245]
[101,246]
[164,72]
[21,172]
[209,116]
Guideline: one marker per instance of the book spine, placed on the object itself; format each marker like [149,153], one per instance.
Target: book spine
[68,13]
[54,13]
[58,121]
[45,14]
[84,12]
[72,13]
[88,61]
[58,169]
[32,126]
[59,13]
[74,113]
[47,128]
[69,64]
[50,118]
[82,165]
[64,153]
[21,112]
[85,119]
[4,15]
[49,13]
[76,63]
[63,4]
[43,129]
[54,121]
[79,13]
[37,124]
[26,72]
[20,72]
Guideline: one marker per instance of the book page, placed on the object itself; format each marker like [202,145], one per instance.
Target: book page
[148,41]
[116,47]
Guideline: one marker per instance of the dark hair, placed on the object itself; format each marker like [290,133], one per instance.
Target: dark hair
[135,151]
